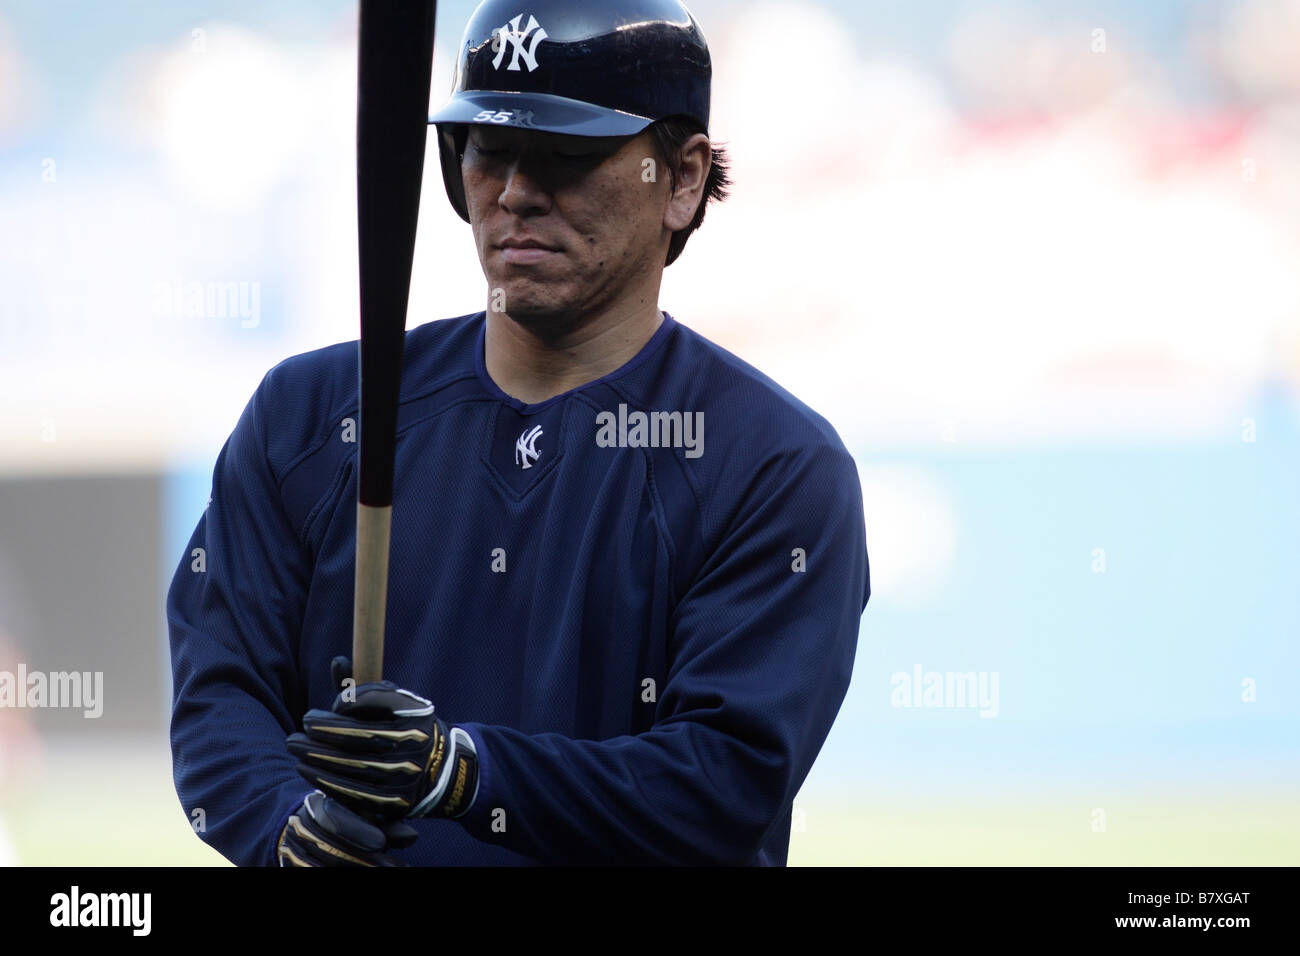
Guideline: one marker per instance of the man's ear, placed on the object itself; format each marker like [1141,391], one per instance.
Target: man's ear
[688,179]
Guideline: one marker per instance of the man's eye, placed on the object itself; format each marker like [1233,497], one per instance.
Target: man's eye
[579,157]
[484,151]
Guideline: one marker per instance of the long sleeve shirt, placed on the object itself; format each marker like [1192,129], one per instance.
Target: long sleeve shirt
[640,598]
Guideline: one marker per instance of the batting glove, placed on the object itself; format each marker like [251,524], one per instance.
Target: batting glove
[323,832]
[382,751]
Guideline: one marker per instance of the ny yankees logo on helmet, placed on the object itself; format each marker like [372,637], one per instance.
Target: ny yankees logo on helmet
[526,452]
[510,33]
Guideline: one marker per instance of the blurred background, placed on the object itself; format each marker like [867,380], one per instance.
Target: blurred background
[1037,262]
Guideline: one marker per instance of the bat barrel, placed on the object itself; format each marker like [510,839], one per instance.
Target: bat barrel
[394,66]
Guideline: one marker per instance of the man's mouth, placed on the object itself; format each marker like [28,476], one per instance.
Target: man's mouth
[525,251]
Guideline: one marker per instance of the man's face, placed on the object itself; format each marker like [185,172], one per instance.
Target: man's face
[585,201]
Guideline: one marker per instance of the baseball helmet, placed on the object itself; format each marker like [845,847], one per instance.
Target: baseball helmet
[579,67]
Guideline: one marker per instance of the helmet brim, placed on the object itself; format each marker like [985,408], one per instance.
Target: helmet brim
[544,112]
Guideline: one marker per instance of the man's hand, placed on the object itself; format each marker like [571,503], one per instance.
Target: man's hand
[382,751]
[323,832]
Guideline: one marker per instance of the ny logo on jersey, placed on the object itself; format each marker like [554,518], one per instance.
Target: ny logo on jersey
[526,447]
[510,33]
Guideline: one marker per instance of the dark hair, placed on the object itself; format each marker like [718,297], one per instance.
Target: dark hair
[669,136]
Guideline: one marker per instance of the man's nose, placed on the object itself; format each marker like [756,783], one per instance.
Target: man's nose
[525,188]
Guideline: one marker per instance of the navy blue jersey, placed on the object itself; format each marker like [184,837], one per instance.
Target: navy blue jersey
[640,598]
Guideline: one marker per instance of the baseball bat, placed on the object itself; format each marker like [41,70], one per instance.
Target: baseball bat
[394,66]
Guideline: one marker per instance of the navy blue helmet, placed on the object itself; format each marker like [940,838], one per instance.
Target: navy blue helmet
[579,67]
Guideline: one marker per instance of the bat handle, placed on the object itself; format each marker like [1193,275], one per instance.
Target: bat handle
[374,526]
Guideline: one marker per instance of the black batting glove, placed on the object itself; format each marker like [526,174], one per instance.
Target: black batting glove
[323,832]
[382,751]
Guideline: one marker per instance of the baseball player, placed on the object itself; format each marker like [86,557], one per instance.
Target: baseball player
[627,568]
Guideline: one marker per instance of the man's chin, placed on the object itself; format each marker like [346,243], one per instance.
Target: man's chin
[545,317]
[547,326]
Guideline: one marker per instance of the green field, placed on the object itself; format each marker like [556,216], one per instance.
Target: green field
[92,806]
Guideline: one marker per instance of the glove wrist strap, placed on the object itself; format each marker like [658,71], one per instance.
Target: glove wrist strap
[457,784]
